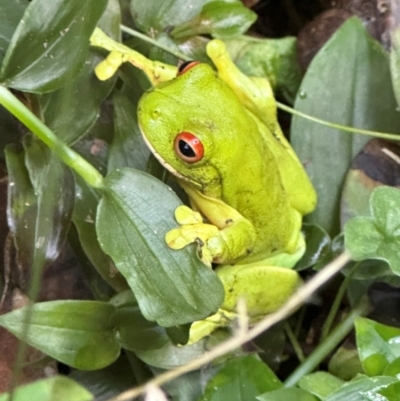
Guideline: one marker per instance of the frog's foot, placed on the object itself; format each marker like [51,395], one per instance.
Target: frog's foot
[193,229]
[263,288]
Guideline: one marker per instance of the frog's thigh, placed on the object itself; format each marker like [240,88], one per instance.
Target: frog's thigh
[264,288]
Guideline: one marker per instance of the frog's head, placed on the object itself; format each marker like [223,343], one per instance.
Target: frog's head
[189,123]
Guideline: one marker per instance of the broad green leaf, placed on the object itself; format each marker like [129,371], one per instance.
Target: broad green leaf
[378,345]
[287,394]
[377,236]
[275,59]
[50,44]
[362,387]
[71,110]
[341,86]
[77,333]
[321,384]
[393,368]
[153,15]
[220,19]
[171,287]
[128,148]
[58,388]
[241,379]
[14,10]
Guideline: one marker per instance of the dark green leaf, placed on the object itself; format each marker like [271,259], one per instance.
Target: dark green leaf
[71,110]
[133,331]
[318,246]
[14,10]
[341,86]
[50,44]
[377,236]
[84,217]
[220,19]
[171,287]
[287,394]
[77,333]
[171,356]
[360,388]
[390,393]
[153,15]
[377,345]
[128,148]
[321,384]
[58,388]
[275,59]
[241,379]
[39,213]
[107,382]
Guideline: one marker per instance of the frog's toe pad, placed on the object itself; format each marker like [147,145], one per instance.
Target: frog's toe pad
[185,235]
[185,215]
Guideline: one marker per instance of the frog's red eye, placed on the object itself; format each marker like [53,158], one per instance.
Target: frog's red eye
[188,147]
[186,66]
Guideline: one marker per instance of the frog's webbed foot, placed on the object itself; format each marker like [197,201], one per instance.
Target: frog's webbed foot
[193,229]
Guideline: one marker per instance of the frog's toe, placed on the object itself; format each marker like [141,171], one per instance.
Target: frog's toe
[187,234]
[175,240]
[185,215]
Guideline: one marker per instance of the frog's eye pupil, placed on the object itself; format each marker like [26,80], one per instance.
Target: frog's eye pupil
[188,147]
[186,66]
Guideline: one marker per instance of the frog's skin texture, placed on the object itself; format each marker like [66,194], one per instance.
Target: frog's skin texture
[217,132]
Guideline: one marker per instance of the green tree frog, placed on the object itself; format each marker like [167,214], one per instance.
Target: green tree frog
[218,134]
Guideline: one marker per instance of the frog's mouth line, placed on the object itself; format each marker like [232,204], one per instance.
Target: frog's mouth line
[164,163]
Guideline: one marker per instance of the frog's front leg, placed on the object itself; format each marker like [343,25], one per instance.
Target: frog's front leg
[234,238]
[263,288]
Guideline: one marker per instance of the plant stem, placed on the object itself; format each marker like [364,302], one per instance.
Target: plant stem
[293,340]
[383,135]
[325,348]
[147,39]
[336,303]
[66,154]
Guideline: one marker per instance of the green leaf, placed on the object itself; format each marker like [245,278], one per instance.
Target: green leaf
[377,236]
[321,384]
[84,217]
[287,394]
[133,331]
[393,368]
[362,387]
[107,382]
[77,333]
[345,363]
[377,345]
[14,10]
[220,19]
[71,110]
[40,203]
[390,393]
[275,59]
[241,379]
[153,15]
[341,86]
[128,148]
[171,287]
[318,246]
[50,44]
[58,388]
[395,62]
